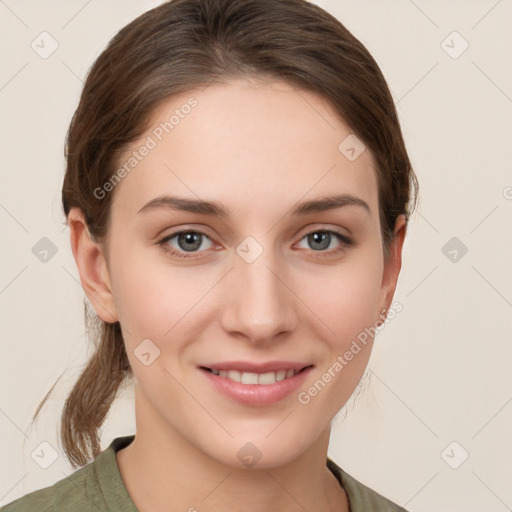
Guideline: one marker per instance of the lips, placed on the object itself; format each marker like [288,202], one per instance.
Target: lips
[256,384]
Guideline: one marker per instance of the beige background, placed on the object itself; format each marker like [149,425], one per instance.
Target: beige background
[441,370]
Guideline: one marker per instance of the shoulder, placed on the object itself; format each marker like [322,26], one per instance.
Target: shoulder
[69,494]
[97,486]
[361,497]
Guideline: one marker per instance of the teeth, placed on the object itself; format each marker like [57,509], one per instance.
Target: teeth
[267,378]
[234,375]
[249,378]
[255,378]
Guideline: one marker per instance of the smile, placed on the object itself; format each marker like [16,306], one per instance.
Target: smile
[256,385]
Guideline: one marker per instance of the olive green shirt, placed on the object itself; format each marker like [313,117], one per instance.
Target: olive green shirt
[98,487]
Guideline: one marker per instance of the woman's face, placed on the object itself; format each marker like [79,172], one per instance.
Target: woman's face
[259,283]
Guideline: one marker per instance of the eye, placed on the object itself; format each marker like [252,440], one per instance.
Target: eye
[192,242]
[186,241]
[322,239]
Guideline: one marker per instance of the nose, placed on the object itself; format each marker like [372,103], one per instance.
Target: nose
[260,302]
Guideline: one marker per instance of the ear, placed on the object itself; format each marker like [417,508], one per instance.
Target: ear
[92,267]
[393,263]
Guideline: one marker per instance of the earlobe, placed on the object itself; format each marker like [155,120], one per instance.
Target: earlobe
[92,267]
[393,263]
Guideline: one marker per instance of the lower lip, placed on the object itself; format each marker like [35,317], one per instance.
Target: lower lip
[257,394]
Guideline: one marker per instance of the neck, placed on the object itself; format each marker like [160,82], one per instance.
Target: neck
[162,471]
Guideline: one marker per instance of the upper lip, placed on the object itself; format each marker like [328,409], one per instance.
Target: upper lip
[252,367]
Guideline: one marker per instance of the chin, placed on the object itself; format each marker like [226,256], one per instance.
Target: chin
[261,450]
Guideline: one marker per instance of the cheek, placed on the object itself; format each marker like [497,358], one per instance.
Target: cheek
[346,297]
[154,300]
[348,311]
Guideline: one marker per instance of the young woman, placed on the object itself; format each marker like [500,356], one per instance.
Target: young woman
[237,192]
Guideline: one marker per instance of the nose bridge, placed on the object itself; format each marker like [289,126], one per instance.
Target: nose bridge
[261,306]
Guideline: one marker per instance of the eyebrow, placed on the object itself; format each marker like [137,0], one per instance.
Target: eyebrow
[218,210]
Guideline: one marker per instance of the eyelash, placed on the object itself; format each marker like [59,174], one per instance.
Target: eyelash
[345,243]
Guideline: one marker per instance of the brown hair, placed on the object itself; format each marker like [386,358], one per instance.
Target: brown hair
[179,46]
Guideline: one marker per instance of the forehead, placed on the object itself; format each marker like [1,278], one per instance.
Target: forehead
[249,144]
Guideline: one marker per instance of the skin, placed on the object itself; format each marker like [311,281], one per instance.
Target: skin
[259,148]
